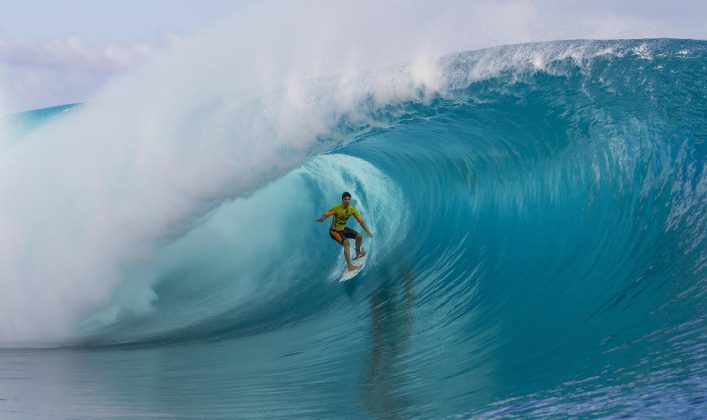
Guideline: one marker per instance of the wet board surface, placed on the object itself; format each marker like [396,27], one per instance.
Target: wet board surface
[348,275]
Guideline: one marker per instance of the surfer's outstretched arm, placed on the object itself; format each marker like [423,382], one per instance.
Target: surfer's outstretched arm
[324,216]
[360,221]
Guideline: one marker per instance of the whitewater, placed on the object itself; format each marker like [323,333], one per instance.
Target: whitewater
[539,213]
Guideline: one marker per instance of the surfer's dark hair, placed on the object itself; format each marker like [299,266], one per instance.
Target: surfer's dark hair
[346,194]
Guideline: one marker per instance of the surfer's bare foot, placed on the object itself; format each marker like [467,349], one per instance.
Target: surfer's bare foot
[359,254]
[353,267]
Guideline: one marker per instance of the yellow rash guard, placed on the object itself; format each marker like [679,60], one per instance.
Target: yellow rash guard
[341,215]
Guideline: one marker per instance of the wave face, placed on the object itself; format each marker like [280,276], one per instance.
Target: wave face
[540,220]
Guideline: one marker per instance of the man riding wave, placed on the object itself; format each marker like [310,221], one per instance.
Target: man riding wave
[339,232]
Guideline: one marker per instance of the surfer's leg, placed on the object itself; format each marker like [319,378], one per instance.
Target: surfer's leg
[347,255]
[352,234]
[339,237]
[336,236]
[359,251]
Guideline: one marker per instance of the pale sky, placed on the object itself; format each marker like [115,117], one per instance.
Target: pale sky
[106,21]
[55,52]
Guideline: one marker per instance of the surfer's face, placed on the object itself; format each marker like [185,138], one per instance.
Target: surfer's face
[346,201]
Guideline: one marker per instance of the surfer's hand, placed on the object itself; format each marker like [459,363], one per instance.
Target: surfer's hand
[369,234]
[321,219]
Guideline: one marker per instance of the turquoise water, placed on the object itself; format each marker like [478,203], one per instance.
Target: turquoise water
[539,221]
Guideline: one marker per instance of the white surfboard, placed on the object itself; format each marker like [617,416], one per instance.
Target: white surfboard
[348,275]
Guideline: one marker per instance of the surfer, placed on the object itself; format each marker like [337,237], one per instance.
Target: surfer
[339,232]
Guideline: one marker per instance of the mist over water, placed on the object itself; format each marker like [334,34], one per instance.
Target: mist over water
[538,212]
